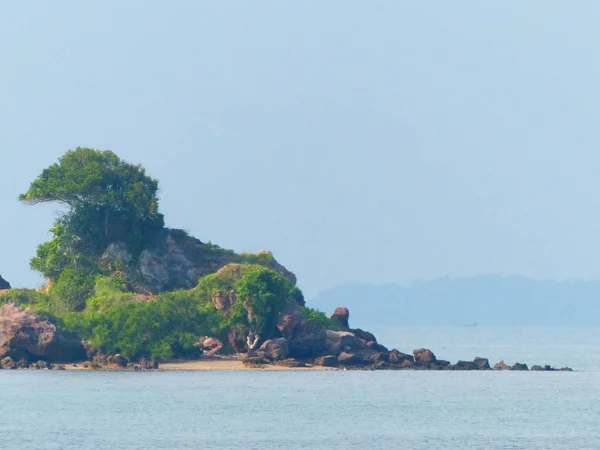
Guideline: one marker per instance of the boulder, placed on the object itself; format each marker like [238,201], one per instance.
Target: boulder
[348,359]
[377,347]
[276,349]
[116,255]
[340,341]
[482,363]
[211,346]
[7,363]
[306,339]
[365,357]
[117,361]
[23,335]
[364,335]
[326,361]
[501,366]
[397,357]
[41,365]
[464,365]
[23,364]
[4,284]
[537,368]
[342,316]
[519,366]
[424,355]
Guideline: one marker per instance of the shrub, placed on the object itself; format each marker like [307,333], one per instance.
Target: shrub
[161,328]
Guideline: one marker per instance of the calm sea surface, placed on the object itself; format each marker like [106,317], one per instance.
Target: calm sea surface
[325,410]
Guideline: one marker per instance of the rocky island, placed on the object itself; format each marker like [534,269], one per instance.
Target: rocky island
[124,291]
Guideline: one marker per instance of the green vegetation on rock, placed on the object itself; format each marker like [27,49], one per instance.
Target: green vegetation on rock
[126,284]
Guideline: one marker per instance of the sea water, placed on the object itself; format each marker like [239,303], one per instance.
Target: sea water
[325,410]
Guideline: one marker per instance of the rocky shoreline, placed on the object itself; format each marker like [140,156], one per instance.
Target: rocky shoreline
[31,342]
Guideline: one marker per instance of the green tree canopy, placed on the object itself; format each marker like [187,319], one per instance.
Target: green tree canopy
[96,183]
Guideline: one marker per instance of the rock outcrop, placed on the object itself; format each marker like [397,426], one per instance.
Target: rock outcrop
[4,284]
[482,363]
[24,336]
[177,261]
[519,366]
[501,366]
[305,338]
[276,349]
[342,316]
[424,355]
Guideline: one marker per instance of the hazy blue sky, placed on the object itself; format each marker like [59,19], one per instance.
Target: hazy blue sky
[376,141]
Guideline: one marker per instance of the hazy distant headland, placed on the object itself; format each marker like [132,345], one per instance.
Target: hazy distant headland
[477,300]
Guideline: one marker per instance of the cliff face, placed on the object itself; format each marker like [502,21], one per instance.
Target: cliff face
[177,261]
[4,284]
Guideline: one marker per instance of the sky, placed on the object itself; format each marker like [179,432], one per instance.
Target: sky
[381,141]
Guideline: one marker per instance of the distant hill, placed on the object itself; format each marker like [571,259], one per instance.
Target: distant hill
[478,300]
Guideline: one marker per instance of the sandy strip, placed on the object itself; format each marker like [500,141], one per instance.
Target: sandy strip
[216,363]
[227,364]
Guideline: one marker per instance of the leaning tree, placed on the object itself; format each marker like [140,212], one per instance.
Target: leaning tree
[106,200]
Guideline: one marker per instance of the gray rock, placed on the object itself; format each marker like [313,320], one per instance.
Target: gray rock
[342,341]
[424,355]
[482,363]
[178,261]
[276,349]
[116,254]
[463,365]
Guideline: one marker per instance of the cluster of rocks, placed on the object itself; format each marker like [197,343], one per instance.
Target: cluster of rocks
[303,343]
[98,361]
[8,363]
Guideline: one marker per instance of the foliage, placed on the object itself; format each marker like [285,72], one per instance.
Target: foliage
[255,288]
[108,200]
[161,328]
[264,258]
[24,297]
[264,293]
[70,291]
[319,317]
[88,180]
[108,292]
